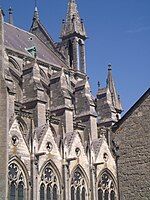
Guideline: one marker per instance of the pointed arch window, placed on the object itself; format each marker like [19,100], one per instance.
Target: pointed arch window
[49,183]
[42,192]
[17,182]
[106,187]
[21,191]
[49,192]
[78,186]
[83,193]
[70,52]
[12,191]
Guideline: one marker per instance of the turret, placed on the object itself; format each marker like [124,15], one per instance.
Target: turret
[61,99]
[73,37]
[108,102]
[85,108]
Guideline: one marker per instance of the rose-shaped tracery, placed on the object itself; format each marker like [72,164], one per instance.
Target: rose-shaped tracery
[16,182]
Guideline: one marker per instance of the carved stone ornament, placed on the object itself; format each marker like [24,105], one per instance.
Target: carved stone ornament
[15,140]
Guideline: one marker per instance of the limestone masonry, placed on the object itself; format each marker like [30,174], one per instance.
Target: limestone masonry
[58,142]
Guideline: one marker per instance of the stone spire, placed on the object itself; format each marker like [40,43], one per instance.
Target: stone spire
[36,14]
[111,86]
[108,105]
[73,24]
[73,37]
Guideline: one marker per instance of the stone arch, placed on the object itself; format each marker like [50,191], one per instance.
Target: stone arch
[106,185]
[15,64]
[50,181]
[18,179]
[22,125]
[79,184]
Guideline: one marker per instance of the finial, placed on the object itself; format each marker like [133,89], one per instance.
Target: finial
[109,66]
[98,84]
[35,3]
[10,15]
[36,13]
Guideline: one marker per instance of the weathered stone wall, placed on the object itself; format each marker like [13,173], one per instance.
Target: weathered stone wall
[133,138]
[3,118]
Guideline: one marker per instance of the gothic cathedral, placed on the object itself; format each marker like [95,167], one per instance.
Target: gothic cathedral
[55,137]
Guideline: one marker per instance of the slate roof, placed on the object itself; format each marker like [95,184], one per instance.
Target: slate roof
[19,40]
[40,131]
[69,139]
[96,144]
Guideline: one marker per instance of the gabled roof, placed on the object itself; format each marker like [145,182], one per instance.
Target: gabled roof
[69,137]
[19,40]
[40,31]
[96,144]
[131,110]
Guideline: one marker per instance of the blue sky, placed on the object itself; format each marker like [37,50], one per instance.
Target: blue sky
[118,31]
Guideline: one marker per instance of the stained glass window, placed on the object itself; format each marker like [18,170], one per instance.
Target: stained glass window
[42,192]
[83,193]
[106,187]
[50,183]
[78,185]
[20,191]
[16,182]
[12,191]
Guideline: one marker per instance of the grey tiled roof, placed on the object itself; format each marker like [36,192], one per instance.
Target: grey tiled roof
[69,139]
[19,40]
[96,144]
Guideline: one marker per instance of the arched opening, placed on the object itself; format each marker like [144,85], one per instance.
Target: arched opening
[78,185]
[112,195]
[12,191]
[55,192]
[100,194]
[21,191]
[49,192]
[70,53]
[78,193]
[17,182]
[106,187]
[83,193]
[50,181]
[42,192]
[106,195]
[72,193]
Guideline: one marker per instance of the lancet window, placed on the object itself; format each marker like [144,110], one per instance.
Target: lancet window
[49,188]
[16,183]
[78,186]
[106,187]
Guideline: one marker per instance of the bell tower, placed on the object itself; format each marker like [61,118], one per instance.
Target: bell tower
[73,38]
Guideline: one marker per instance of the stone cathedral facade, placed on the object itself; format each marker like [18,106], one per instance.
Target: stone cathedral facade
[55,139]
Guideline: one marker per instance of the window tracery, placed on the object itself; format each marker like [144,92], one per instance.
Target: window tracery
[16,182]
[106,187]
[49,184]
[78,185]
